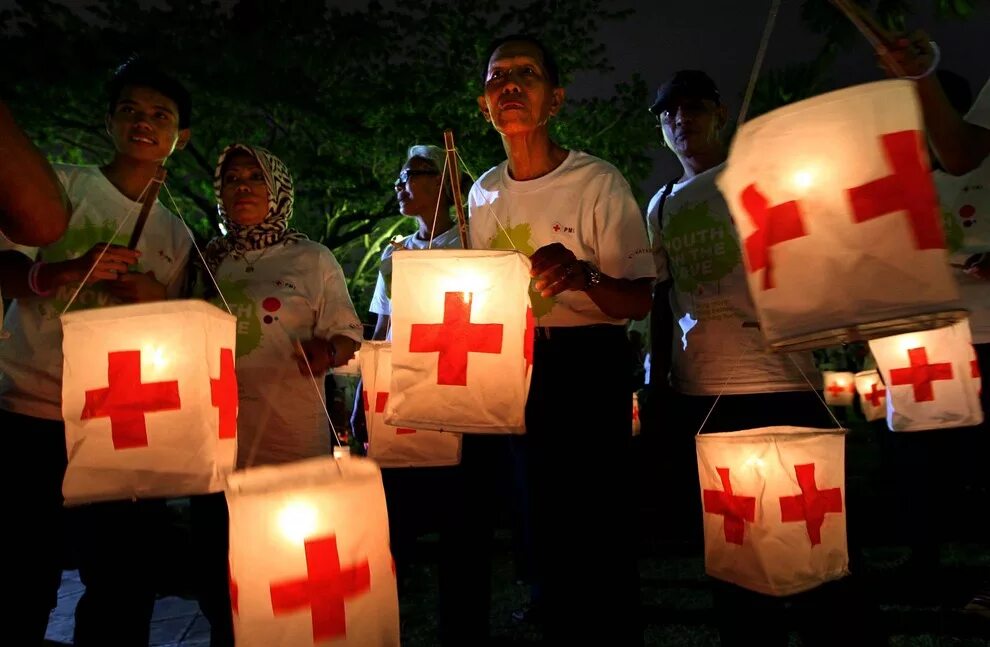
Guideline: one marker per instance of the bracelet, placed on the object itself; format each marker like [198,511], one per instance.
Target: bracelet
[32,279]
[936,58]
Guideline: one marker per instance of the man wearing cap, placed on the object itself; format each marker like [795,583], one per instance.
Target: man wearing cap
[707,340]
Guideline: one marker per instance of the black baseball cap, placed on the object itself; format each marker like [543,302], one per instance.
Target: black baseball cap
[685,83]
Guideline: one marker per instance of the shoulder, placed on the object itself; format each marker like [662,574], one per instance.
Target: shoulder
[596,173]
[73,174]
[490,180]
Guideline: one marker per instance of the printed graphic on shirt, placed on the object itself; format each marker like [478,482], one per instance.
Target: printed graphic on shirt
[520,238]
[953,224]
[249,328]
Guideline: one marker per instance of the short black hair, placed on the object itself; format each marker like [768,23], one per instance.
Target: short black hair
[143,73]
[549,62]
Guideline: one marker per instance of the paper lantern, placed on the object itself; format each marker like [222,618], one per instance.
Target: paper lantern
[309,555]
[839,388]
[933,380]
[872,394]
[352,368]
[838,219]
[461,340]
[396,446]
[149,398]
[774,507]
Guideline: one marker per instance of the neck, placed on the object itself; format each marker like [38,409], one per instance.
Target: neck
[532,155]
[428,230]
[130,176]
[700,162]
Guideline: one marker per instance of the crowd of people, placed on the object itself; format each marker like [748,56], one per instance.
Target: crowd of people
[597,264]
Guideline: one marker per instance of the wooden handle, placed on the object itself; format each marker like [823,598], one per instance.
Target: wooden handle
[455,186]
[880,38]
[150,195]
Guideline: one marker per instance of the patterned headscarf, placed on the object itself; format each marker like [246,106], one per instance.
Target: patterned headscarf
[273,229]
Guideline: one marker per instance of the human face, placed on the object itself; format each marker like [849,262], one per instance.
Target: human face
[144,125]
[518,96]
[243,190]
[419,192]
[690,125]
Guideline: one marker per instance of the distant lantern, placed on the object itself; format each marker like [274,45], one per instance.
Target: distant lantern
[774,507]
[840,387]
[309,555]
[397,446]
[932,377]
[838,219]
[461,340]
[149,398]
[872,394]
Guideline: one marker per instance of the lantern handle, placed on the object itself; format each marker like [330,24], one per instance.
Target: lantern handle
[871,30]
[150,196]
[758,62]
[455,186]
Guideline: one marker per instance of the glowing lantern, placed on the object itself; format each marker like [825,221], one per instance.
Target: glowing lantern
[774,507]
[149,398]
[838,219]
[840,387]
[933,380]
[872,394]
[309,555]
[395,446]
[461,340]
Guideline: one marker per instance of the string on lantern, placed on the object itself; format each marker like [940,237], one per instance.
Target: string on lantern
[871,30]
[436,209]
[758,62]
[451,161]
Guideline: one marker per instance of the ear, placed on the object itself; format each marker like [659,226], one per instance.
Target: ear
[483,106]
[556,100]
[722,116]
[106,125]
[183,139]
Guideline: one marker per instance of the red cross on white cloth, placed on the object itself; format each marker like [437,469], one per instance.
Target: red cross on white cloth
[126,400]
[909,188]
[324,589]
[921,374]
[381,400]
[837,389]
[223,394]
[875,396]
[455,338]
[736,509]
[773,225]
[812,504]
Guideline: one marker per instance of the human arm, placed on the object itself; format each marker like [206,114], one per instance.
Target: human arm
[337,329]
[107,265]
[381,327]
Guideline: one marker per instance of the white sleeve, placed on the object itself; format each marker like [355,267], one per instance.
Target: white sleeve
[660,261]
[380,303]
[334,310]
[979,114]
[623,247]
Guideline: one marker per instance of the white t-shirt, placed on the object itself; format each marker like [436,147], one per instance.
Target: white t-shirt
[717,340]
[31,358]
[294,291]
[381,300]
[586,205]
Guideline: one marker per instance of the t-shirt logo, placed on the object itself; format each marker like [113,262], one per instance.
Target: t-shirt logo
[557,228]
[520,238]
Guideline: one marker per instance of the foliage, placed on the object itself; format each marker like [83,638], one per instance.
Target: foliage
[339,95]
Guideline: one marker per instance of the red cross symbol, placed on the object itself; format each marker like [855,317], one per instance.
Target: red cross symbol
[223,393]
[125,400]
[774,225]
[556,226]
[324,588]
[735,509]
[455,338]
[381,399]
[530,338]
[812,504]
[921,374]
[909,188]
[875,396]
[836,389]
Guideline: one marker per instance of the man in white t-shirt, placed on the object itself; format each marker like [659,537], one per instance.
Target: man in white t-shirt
[574,216]
[147,119]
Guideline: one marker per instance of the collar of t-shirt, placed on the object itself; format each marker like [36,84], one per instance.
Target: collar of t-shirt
[440,240]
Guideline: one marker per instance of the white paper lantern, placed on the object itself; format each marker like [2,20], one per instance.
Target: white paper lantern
[932,378]
[396,446]
[838,219]
[839,388]
[309,556]
[872,394]
[149,398]
[461,340]
[774,507]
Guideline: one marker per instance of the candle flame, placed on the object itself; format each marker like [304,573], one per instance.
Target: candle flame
[803,179]
[297,521]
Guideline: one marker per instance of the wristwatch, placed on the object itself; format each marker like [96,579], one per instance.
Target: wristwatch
[592,275]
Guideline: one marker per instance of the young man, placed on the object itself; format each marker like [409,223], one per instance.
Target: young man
[147,119]
[575,216]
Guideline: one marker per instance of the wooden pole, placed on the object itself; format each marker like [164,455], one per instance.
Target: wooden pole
[149,201]
[455,186]
[871,30]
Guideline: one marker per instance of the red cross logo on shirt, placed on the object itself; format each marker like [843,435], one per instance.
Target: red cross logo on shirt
[455,338]
[774,225]
[921,374]
[381,399]
[736,509]
[875,396]
[324,588]
[223,394]
[812,504]
[126,400]
[909,188]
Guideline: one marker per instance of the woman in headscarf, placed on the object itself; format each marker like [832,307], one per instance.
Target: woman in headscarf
[288,294]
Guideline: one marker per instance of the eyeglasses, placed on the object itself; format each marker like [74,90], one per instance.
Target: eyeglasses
[407,173]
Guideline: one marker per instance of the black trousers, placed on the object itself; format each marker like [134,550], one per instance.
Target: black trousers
[211,541]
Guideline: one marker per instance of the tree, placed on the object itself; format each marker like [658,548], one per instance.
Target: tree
[338,95]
